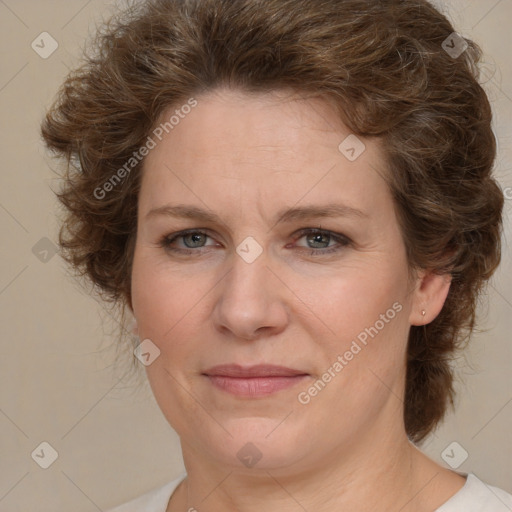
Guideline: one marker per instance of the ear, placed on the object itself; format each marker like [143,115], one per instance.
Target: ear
[429,296]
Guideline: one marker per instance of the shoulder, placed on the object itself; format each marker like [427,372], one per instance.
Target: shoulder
[155,500]
[477,496]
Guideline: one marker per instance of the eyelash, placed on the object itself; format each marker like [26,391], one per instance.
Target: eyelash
[341,240]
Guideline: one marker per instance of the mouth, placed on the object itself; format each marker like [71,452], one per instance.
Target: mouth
[253,381]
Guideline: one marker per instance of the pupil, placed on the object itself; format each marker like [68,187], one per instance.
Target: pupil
[195,237]
[317,237]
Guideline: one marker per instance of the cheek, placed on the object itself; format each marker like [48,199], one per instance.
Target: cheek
[160,297]
[366,312]
[356,297]
[164,308]
[156,303]
[171,310]
[364,348]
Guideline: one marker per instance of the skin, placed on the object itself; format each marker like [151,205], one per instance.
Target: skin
[245,158]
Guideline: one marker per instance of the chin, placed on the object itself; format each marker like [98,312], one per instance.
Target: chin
[257,443]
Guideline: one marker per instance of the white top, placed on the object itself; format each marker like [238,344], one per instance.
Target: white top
[475,496]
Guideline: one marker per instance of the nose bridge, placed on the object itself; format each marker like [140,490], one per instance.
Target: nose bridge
[249,275]
[251,299]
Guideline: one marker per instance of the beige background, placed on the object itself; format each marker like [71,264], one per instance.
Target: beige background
[58,382]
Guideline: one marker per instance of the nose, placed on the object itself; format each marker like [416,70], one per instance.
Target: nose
[251,301]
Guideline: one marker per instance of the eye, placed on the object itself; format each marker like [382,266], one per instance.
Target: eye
[195,239]
[317,236]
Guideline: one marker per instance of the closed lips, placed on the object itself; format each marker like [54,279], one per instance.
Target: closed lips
[263,370]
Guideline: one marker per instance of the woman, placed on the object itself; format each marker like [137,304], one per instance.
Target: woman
[294,199]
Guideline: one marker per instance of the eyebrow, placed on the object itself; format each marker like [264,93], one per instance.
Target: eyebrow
[286,215]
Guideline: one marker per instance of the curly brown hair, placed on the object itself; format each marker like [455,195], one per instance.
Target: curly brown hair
[386,67]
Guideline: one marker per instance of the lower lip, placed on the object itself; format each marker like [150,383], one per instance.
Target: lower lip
[254,386]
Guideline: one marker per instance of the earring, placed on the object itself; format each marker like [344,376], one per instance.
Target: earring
[423,312]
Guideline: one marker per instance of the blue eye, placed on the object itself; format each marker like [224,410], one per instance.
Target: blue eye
[195,239]
[191,238]
[318,234]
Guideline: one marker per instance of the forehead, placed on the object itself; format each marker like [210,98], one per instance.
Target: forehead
[270,149]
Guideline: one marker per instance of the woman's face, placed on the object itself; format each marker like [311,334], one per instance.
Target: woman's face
[253,283]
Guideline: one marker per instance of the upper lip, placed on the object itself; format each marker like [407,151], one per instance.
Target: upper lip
[260,370]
